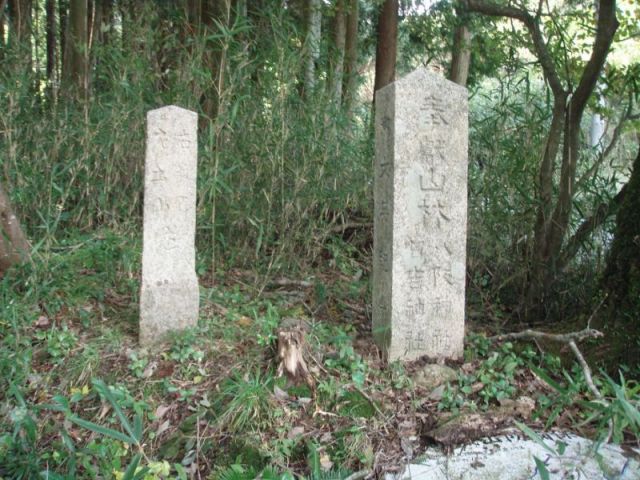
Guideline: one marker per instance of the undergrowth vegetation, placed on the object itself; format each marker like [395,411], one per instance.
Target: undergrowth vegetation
[83,401]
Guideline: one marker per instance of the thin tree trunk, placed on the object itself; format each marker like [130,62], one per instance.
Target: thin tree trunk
[19,21]
[94,20]
[3,4]
[351,58]
[386,49]
[194,16]
[20,29]
[461,55]
[50,8]
[314,30]
[215,12]
[337,63]
[14,246]
[63,20]
[75,70]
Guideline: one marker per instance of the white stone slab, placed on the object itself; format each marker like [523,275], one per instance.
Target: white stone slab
[511,457]
[169,296]
[420,218]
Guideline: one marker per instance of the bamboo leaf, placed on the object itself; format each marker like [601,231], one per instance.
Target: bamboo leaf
[104,390]
[535,437]
[109,432]
[547,379]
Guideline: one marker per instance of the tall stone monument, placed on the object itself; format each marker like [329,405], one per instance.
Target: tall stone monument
[169,296]
[420,218]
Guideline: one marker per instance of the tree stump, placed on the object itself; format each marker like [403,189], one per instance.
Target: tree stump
[292,349]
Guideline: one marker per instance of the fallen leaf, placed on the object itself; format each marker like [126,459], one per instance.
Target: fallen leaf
[325,461]
[245,321]
[42,322]
[295,432]
[163,428]
[280,394]
[161,410]
[150,370]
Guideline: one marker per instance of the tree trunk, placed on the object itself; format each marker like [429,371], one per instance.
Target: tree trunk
[3,4]
[621,278]
[461,55]
[19,21]
[350,88]
[215,12]
[63,20]
[14,246]
[94,20]
[20,29]
[622,274]
[386,49]
[76,68]
[194,16]
[337,53]
[50,9]
[314,29]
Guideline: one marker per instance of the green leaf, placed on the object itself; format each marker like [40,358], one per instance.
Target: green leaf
[181,471]
[67,441]
[130,472]
[47,475]
[104,390]
[109,432]
[313,460]
[542,469]
[137,426]
[552,383]
[535,437]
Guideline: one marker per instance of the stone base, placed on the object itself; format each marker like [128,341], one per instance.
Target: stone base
[166,306]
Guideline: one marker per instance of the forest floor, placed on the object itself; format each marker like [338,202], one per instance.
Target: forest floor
[82,400]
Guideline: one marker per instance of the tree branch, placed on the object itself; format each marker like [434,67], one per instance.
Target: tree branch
[605,31]
[546,61]
[601,213]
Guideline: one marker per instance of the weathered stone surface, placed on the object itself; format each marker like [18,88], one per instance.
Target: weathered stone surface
[512,457]
[420,219]
[431,376]
[169,296]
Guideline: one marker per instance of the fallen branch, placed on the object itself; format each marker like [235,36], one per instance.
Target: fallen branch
[570,339]
[554,337]
[286,282]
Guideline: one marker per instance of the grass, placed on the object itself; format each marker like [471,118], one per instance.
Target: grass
[83,401]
